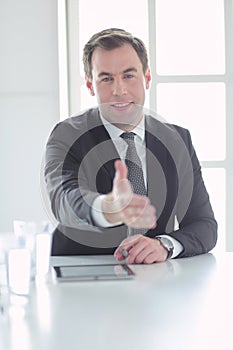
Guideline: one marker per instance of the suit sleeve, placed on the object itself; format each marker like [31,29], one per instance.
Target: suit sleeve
[197,225]
[69,200]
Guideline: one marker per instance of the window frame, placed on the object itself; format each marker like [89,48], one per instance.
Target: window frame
[227,79]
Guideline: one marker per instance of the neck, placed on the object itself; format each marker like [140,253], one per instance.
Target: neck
[125,127]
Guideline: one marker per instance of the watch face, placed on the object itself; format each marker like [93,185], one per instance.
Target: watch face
[167,244]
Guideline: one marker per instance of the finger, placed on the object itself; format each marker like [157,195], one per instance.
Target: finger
[140,212]
[151,253]
[123,192]
[121,170]
[151,258]
[123,254]
[129,203]
[127,243]
[146,251]
[138,252]
[139,201]
[121,186]
[140,218]
[146,256]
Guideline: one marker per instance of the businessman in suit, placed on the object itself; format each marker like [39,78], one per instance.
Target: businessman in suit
[156,209]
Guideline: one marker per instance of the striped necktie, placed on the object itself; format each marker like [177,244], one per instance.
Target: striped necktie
[132,160]
[135,173]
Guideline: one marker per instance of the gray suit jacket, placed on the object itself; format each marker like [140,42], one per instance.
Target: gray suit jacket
[79,166]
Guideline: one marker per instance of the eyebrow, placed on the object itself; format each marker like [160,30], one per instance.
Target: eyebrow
[128,70]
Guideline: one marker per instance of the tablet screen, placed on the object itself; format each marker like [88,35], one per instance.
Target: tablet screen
[93,272]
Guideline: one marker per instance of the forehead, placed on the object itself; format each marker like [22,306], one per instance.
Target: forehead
[116,60]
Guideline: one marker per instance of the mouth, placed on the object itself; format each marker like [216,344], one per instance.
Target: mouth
[122,106]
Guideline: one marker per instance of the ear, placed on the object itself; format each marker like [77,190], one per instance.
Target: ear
[89,85]
[148,78]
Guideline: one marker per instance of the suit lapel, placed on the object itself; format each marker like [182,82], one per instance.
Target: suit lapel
[161,171]
[156,159]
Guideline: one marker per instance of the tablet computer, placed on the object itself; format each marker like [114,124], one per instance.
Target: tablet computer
[93,272]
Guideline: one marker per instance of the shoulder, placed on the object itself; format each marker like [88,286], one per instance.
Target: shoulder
[163,130]
[73,127]
[79,121]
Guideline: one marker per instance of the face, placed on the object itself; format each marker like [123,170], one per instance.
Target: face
[119,85]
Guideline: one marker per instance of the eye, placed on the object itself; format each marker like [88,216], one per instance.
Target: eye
[128,76]
[107,79]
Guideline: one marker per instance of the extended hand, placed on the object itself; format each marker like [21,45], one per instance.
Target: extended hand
[122,205]
[142,250]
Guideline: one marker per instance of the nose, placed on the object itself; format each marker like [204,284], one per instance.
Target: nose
[119,87]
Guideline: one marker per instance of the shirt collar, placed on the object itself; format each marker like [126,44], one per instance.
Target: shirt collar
[115,132]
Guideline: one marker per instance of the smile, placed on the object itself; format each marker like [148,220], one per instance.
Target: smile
[121,105]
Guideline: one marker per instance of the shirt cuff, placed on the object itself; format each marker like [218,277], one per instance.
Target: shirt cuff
[178,247]
[97,213]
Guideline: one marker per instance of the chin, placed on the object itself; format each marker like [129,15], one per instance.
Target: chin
[122,118]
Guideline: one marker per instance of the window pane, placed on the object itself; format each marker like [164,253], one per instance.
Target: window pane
[97,15]
[107,14]
[200,107]
[215,181]
[190,37]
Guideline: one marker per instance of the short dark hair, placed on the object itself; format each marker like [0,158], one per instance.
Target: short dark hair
[109,39]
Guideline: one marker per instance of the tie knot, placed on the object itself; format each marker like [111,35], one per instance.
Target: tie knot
[128,136]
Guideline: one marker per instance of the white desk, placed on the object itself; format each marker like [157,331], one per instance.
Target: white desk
[184,304]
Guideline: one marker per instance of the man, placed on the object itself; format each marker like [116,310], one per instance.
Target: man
[106,202]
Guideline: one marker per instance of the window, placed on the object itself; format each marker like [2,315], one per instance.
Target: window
[76,24]
[192,53]
[190,43]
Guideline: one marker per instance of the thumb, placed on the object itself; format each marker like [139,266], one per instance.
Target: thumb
[121,170]
[121,185]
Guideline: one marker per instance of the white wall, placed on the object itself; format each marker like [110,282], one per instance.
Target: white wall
[29,104]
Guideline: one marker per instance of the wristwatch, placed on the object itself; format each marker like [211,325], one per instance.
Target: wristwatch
[167,243]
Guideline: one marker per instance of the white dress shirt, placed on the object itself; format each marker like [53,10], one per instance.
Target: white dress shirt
[121,148]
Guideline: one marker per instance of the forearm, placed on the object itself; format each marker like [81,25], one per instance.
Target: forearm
[197,238]
[70,204]
[71,208]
